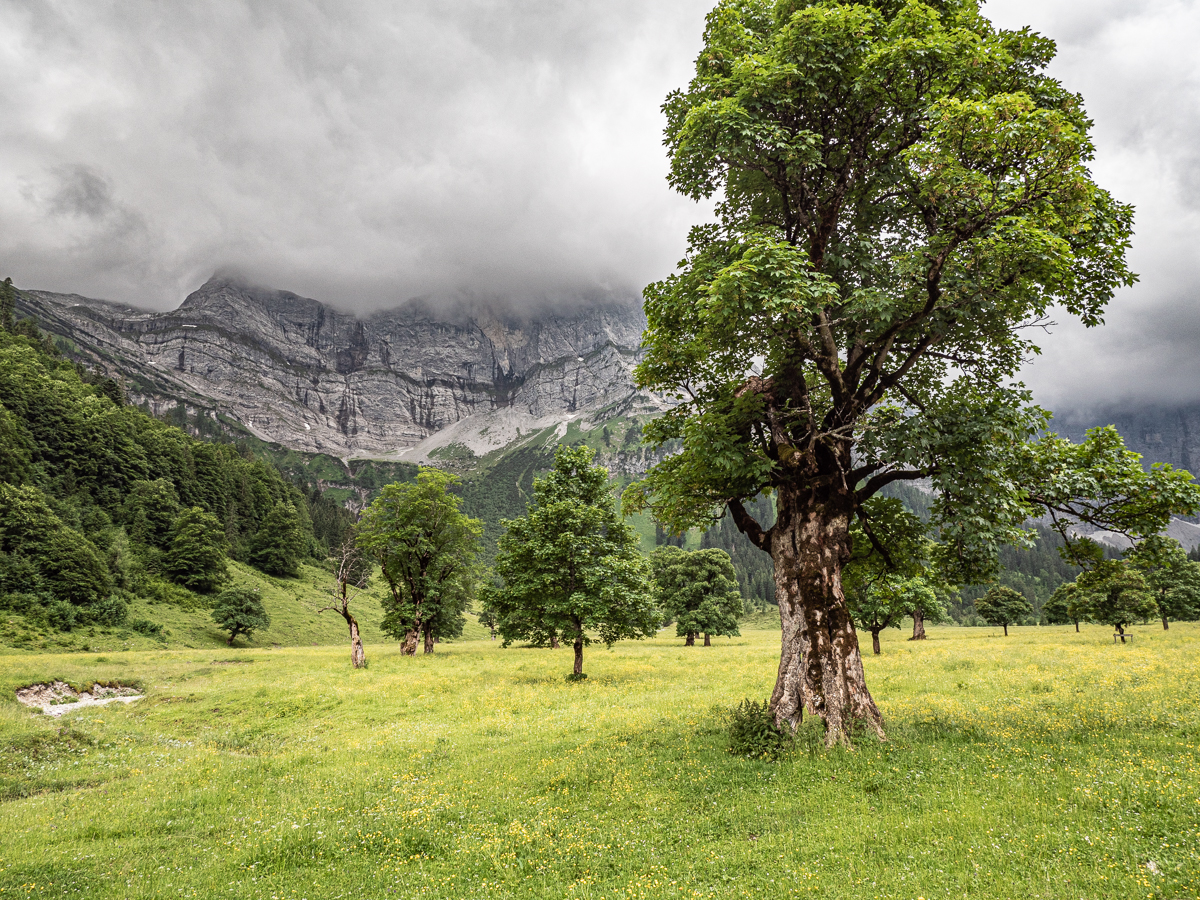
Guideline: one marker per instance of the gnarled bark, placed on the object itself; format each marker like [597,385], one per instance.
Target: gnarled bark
[918,626]
[428,629]
[578,656]
[691,639]
[707,640]
[875,640]
[820,667]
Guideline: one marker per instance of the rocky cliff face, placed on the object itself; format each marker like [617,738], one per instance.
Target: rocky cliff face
[1169,434]
[298,372]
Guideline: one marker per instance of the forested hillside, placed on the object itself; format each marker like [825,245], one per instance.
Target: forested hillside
[102,504]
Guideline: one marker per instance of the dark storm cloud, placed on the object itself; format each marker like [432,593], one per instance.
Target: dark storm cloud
[363,153]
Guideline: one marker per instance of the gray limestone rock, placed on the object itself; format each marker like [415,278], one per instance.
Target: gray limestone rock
[298,372]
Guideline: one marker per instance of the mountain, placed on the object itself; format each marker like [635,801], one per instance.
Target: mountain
[399,383]
[1167,433]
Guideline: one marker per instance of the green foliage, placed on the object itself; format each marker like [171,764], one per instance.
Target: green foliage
[698,589]
[1057,610]
[146,627]
[1003,606]
[240,610]
[99,486]
[754,734]
[281,542]
[902,188]
[195,551]
[50,555]
[8,305]
[571,566]
[1172,579]
[1112,593]
[149,511]
[426,549]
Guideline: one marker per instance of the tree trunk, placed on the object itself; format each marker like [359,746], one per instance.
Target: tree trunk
[820,667]
[358,656]
[1005,626]
[1121,632]
[691,639]
[918,625]
[428,638]
[707,640]
[232,635]
[579,656]
[1166,627]
[1077,626]
[875,640]
[553,640]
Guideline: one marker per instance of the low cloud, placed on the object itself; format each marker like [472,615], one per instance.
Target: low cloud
[361,153]
[373,152]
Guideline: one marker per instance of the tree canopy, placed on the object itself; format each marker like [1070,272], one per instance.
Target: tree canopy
[1112,593]
[240,611]
[571,566]
[426,549]
[902,192]
[1172,579]
[699,590]
[1003,606]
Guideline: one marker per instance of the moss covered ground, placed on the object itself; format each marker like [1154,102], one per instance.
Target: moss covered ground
[1048,764]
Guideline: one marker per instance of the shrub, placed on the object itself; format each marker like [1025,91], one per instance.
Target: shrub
[112,610]
[59,615]
[753,733]
[146,627]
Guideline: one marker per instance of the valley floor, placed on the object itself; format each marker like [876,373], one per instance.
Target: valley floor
[1048,764]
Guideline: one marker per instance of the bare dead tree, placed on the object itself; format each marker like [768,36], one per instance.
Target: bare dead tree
[352,574]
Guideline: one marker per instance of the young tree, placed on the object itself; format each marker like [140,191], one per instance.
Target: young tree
[1112,593]
[884,602]
[195,551]
[351,578]
[884,580]
[1057,610]
[426,549]
[902,191]
[1171,577]
[281,542]
[240,610]
[1001,605]
[570,565]
[487,617]
[699,590]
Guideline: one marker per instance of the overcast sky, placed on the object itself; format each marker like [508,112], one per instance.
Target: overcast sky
[370,152]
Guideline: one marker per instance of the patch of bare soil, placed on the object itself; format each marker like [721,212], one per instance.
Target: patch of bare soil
[58,697]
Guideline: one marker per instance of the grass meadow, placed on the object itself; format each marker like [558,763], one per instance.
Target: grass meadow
[1048,764]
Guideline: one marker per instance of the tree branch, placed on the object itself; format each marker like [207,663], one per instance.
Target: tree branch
[885,478]
[749,526]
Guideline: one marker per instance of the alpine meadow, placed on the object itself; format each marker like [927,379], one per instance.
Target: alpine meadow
[490,578]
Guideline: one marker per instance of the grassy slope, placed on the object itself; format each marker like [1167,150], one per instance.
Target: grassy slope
[291,602]
[1048,764]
